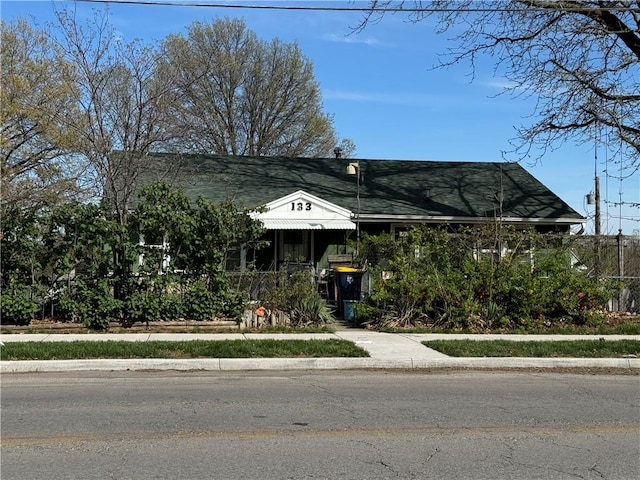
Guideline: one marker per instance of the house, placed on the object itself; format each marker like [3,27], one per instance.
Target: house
[314,208]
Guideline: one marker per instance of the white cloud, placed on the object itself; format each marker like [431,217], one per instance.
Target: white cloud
[434,101]
[353,38]
[381,97]
[498,83]
[502,84]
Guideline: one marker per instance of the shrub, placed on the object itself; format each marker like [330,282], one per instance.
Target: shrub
[233,304]
[16,307]
[310,310]
[199,302]
[144,306]
[172,306]
[297,295]
[93,305]
[153,297]
[480,280]
[70,307]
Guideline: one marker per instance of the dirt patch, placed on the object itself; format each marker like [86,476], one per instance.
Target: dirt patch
[611,321]
[183,326]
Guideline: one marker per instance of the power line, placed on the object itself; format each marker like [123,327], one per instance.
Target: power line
[383,9]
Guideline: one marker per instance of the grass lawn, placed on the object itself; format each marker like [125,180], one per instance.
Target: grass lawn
[180,349]
[507,348]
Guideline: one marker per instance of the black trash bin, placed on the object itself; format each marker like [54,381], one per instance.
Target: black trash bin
[349,289]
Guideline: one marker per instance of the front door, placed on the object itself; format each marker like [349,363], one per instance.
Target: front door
[295,246]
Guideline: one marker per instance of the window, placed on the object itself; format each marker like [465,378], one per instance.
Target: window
[154,251]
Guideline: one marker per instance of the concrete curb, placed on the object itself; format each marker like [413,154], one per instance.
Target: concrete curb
[244,364]
[387,351]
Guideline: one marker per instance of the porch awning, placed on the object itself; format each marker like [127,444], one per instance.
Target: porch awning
[295,224]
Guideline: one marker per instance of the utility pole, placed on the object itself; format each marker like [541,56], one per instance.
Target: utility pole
[621,272]
[597,219]
[597,226]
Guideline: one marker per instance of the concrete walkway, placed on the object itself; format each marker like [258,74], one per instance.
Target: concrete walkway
[386,350]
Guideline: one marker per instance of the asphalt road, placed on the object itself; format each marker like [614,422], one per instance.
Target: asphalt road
[320,425]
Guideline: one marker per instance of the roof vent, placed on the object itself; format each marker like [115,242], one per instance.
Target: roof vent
[337,152]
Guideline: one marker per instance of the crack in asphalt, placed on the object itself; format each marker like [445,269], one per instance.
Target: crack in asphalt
[388,467]
[431,455]
[594,469]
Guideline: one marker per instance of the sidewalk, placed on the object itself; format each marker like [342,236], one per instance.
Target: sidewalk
[386,350]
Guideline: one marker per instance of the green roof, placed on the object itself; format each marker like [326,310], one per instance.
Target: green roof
[387,187]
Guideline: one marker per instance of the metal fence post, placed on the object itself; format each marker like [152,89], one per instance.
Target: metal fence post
[620,240]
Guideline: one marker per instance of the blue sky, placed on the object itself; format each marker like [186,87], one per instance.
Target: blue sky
[384,95]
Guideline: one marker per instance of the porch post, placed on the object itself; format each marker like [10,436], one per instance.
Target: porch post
[243,256]
[276,234]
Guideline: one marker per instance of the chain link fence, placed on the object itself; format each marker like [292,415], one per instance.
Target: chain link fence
[616,257]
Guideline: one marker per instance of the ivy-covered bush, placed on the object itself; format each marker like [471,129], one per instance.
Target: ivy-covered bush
[477,279]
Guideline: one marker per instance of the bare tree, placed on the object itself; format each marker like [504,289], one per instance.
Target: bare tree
[580,59]
[244,96]
[36,105]
[122,101]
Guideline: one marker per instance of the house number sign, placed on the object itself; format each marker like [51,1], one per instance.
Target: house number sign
[300,206]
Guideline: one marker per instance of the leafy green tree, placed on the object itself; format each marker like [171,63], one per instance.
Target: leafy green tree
[36,107]
[174,264]
[80,237]
[244,96]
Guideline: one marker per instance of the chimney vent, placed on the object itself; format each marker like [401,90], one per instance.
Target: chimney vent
[337,152]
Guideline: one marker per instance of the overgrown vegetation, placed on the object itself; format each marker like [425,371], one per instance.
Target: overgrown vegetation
[78,261]
[168,261]
[294,293]
[489,278]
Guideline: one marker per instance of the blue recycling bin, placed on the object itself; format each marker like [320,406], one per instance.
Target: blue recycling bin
[349,309]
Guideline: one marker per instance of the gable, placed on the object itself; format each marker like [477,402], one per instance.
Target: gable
[303,211]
